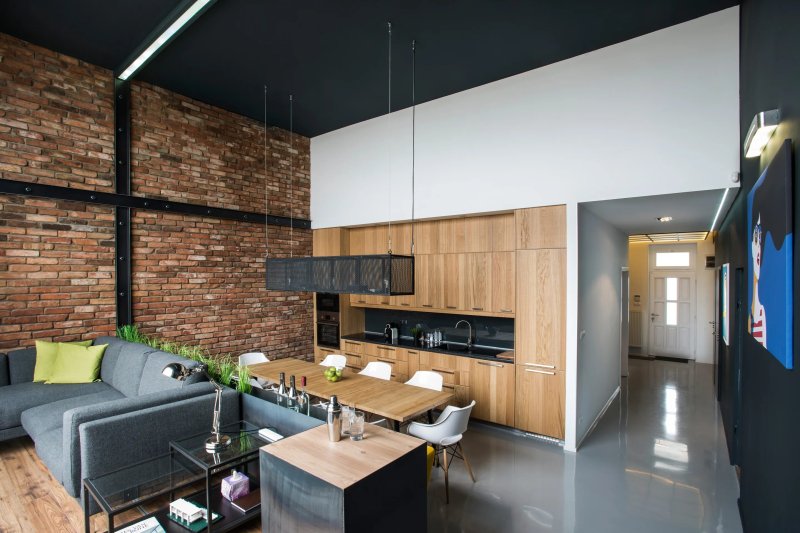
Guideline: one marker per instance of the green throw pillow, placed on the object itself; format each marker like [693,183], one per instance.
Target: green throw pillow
[77,364]
[46,353]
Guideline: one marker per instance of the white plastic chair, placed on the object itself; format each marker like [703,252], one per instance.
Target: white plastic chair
[426,379]
[377,369]
[445,435]
[253,358]
[336,360]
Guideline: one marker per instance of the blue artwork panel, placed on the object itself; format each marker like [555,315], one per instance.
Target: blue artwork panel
[770,254]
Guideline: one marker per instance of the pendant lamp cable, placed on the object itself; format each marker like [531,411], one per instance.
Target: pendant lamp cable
[389,122]
[266,182]
[413,133]
[291,175]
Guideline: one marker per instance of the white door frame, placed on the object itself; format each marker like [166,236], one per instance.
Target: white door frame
[624,320]
[682,271]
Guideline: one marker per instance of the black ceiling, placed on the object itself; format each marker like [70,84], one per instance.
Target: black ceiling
[332,55]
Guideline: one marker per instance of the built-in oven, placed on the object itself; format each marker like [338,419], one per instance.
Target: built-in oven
[327,302]
[328,319]
[328,334]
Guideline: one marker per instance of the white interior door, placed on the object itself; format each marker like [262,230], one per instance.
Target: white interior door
[672,308]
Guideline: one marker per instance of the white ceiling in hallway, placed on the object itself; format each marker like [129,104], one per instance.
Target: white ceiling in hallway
[691,211]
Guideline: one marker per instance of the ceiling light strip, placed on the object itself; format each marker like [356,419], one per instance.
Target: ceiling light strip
[719,210]
[172,30]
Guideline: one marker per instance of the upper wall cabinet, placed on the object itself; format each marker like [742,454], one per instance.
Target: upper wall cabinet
[330,241]
[541,227]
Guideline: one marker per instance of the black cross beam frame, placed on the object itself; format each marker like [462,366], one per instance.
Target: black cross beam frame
[122,213]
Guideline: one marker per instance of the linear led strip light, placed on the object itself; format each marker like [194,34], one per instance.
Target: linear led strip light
[761,129]
[719,210]
[173,29]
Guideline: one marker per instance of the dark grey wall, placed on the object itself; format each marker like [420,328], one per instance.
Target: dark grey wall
[769,433]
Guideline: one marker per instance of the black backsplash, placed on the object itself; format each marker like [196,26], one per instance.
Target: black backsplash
[488,330]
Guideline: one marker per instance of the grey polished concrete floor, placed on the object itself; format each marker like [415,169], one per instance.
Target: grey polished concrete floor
[657,461]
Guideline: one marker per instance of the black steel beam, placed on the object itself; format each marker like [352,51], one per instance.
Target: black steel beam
[122,214]
[54,192]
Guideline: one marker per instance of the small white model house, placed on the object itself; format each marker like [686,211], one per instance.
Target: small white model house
[186,511]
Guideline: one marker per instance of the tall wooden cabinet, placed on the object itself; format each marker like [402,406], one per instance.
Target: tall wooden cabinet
[540,335]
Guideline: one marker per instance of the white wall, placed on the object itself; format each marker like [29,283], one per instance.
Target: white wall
[654,115]
[599,293]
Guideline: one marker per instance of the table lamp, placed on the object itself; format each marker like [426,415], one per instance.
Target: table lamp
[216,442]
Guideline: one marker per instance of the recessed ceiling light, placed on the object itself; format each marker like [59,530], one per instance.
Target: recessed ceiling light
[663,219]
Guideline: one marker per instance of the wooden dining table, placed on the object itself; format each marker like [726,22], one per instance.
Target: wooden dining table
[394,401]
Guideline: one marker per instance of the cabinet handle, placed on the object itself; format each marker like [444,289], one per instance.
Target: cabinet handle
[404,304]
[539,365]
[505,310]
[361,301]
[386,360]
[452,307]
[484,363]
[427,305]
[386,349]
[540,371]
[443,371]
[477,308]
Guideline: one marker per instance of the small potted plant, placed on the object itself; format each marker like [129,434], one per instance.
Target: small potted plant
[416,333]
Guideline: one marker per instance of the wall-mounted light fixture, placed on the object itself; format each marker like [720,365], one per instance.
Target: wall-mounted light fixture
[761,129]
[183,14]
[664,219]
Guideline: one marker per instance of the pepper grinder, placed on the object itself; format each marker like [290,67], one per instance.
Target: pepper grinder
[334,420]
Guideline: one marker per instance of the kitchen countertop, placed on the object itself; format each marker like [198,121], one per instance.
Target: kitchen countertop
[488,354]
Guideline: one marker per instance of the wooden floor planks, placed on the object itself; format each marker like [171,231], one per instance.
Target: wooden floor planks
[32,501]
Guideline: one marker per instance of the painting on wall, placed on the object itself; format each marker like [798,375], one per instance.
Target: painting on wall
[769,283]
[725,311]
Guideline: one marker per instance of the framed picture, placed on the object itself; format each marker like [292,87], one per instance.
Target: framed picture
[769,280]
[725,311]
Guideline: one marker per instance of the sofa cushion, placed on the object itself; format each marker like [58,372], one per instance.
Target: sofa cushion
[48,448]
[77,364]
[154,381]
[38,420]
[14,399]
[128,368]
[21,364]
[110,357]
[46,356]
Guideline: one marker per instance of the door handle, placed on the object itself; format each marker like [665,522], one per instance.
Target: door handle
[540,372]
[540,365]
[490,364]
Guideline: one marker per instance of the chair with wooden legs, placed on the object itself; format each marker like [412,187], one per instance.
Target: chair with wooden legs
[445,436]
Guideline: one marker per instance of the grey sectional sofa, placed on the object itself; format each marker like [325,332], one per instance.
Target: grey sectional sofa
[87,429]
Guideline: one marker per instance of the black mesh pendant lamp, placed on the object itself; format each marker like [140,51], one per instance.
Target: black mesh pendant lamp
[388,274]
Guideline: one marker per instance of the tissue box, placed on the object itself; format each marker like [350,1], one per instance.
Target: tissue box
[235,486]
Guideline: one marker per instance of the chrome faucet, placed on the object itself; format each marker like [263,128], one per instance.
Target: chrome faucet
[469,338]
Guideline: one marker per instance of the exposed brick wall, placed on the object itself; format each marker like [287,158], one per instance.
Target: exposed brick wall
[56,118]
[196,280]
[56,271]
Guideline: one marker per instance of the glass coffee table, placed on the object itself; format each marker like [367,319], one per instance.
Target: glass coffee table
[187,466]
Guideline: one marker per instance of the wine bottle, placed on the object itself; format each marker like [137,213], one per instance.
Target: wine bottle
[303,401]
[291,395]
[282,389]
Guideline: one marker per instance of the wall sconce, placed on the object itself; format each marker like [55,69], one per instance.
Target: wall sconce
[761,129]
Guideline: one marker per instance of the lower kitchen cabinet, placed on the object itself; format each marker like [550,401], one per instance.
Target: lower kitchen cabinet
[540,401]
[321,353]
[492,388]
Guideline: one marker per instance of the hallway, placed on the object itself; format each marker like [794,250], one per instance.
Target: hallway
[656,462]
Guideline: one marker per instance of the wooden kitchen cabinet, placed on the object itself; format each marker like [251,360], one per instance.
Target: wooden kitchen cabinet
[492,386]
[321,353]
[426,237]
[476,282]
[452,236]
[504,282]
[503,232]
[541,227]
[455,372]
[540,401]
[541,309]
[429,277]
[453,270]
[477,234]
